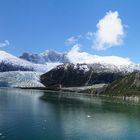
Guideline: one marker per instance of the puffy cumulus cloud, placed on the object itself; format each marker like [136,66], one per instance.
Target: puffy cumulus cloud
[76,56]
[72,40]
[4,44]
[110,32]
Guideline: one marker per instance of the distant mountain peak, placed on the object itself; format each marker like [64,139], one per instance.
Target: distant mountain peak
[50,56]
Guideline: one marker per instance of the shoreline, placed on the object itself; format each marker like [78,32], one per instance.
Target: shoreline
[135,98]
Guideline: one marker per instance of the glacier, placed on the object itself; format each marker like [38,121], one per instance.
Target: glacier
[20,79]
[16,72]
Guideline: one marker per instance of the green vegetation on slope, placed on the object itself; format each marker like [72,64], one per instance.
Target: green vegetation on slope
[128,86]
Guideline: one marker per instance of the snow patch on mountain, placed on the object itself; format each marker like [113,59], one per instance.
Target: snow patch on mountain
[76,56]
[82,67]
[52,65]
[96,67]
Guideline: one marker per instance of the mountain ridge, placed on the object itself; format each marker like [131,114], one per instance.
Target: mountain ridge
[67,58]
[9,62]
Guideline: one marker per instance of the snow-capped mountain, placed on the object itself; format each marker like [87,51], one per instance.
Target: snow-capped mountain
[50,59]
[16,72]
[9,62]
[20,79]
[12,71]
[71,75]
[76,57]
[45,57]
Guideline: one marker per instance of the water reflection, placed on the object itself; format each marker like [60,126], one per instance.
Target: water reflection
[23,115]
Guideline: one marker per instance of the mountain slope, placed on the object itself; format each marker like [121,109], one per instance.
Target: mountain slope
[129,85]
[9,62]
[20,79]
[71,75]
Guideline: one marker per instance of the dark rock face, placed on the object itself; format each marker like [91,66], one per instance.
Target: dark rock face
[107,77]
[78,75]
[30,57]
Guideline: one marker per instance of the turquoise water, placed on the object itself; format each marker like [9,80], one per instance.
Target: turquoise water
[24,116]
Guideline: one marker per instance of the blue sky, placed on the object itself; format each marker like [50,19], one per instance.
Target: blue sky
[39,25]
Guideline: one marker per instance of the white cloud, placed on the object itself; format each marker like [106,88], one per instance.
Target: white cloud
[110,32]
[76,56]
[72,40]
[4,44]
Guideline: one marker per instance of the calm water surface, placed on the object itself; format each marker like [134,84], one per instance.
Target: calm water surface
[24,116]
